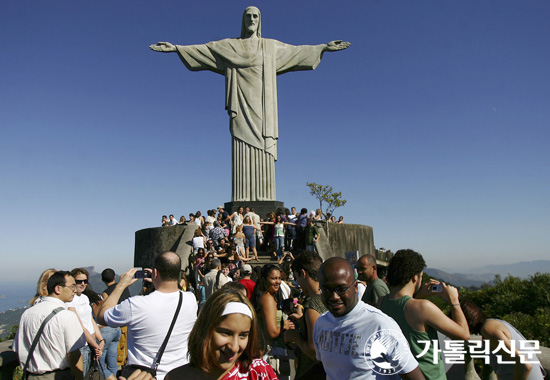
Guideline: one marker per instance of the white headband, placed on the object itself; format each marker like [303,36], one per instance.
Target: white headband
[237,307]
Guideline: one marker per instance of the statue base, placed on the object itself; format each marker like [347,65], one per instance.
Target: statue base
[260,207]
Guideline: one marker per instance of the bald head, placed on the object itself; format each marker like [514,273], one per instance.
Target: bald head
[168,266]
[338,286]
[336,267]
[366,269]
[370,259]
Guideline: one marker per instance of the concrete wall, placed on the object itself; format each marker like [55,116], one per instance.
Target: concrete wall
[152,241]
[344,238]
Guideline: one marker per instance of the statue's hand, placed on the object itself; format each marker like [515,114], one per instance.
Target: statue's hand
[337,45]
[163,47]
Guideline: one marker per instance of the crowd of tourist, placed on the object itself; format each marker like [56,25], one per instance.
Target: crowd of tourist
[301,318]
[275,231]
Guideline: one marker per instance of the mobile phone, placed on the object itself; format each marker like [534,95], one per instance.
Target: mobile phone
[142,274]
[437,288]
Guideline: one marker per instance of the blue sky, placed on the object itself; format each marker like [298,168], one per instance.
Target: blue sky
[433,125]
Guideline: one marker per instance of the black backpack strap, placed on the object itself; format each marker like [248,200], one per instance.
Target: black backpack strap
[37,338]
[161,350]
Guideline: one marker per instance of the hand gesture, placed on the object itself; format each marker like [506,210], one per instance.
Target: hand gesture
[337,45]
[98,352]
[426,289]
[127,278]
[450,294]
[298,313]
[163,47]
[139,375]
[288,325]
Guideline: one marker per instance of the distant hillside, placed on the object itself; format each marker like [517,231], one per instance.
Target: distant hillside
[486,274]
[460,279]
[522,269]
[98,286]
[8,319]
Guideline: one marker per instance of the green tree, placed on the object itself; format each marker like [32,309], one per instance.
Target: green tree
[11,335]
[325,194]
[525,303]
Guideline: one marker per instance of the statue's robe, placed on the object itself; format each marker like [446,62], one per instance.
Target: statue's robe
[251,102]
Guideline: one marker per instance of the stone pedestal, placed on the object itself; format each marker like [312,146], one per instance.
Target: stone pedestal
[260,207]
[153,241]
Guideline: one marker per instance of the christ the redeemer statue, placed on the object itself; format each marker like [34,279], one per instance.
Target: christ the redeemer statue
[250,65]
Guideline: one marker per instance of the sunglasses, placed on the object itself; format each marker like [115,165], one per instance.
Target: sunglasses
[339,290]
[81,281]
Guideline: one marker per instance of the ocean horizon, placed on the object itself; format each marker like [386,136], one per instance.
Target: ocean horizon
[16,294]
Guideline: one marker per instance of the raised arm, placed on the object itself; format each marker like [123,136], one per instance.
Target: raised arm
[455,328]
[126,280]
[336,45]
[163,47]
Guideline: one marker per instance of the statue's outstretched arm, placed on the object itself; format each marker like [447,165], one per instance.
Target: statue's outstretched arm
[337,45]
[163,47]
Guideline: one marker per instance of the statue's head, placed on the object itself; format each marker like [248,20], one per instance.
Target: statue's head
[252,22]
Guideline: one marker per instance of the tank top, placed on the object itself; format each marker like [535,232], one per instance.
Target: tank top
[248,230]
[279,229]
[506,371]
[396,310]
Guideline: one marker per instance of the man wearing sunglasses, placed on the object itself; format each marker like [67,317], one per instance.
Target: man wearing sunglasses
[355,340]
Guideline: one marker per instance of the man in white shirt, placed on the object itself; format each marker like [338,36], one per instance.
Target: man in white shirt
[149,317]
[57,355]
[355,340]
[173,220]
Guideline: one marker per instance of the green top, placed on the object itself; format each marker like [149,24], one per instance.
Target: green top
[374,291]
[311,232]
[304,362]
[396,310]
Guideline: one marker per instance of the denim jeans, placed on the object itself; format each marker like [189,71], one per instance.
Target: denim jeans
[86,353]
[279,245]
[112,337]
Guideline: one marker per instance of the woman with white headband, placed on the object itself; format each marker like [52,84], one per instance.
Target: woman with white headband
[224,342]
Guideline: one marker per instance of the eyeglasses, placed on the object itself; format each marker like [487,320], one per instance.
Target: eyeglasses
[72,287]
[340,290]
[81,281]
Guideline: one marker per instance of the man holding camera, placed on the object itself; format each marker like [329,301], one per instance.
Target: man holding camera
[149,317]
[420,319]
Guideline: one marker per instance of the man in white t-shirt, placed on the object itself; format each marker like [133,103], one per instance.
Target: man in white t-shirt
[58,350]
[173,221]
[149,317]
[355,340]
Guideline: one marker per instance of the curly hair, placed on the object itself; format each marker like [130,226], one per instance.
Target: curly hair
[404,265]
[308,261]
